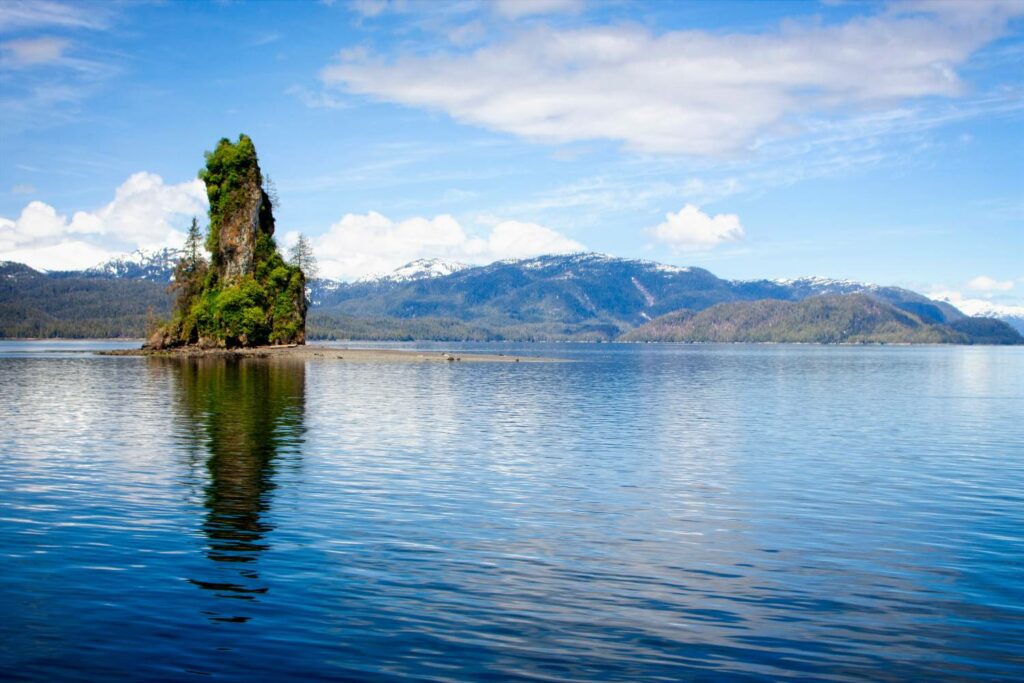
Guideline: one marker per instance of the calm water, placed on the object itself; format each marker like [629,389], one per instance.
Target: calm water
[646,513]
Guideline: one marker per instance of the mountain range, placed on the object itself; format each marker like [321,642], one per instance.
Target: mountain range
[583,296]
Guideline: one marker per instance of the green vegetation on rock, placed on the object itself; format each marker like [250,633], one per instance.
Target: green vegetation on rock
[247,295]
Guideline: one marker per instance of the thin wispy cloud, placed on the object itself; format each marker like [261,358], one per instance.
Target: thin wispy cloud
[682,92]
[35,14]
[28,52]
[45,78]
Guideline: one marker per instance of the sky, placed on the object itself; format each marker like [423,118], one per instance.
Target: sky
[880,142]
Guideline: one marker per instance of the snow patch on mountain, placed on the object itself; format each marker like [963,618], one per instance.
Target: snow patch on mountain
[648,297]
[419,269]
[156,266]
[982,308]
[665,268]
[588,258]
[825,285]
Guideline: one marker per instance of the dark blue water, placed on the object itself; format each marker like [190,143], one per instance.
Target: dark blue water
[649,512]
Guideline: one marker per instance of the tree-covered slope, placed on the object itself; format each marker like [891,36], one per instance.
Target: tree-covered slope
[574,290]
[830,319]
[577,296]
[32,304]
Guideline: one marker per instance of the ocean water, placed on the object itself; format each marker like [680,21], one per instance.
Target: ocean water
[644,512]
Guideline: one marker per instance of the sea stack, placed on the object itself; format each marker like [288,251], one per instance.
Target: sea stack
[247,295]
[240,209]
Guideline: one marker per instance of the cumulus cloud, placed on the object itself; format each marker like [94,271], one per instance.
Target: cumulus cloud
[367,244]
[690,92]
[693,230]
[146,213]
[983,283]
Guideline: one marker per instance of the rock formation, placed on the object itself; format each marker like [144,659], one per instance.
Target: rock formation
[240,210]
[247,295]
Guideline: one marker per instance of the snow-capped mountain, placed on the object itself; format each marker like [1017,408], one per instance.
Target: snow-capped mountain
[155,266]
[982,308]
[419,269]
[586,258]
[815,286]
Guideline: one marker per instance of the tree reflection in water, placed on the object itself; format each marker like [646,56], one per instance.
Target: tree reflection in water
[247,418]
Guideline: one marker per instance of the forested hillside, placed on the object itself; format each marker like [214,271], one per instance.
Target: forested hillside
[830,319]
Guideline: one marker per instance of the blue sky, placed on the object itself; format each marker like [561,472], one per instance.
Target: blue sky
[873,141]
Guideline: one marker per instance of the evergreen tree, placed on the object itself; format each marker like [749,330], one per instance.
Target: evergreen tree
[190,270]
[301,256]
[193,253]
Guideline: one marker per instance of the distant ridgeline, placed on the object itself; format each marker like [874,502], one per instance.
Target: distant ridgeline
[587,297]
[247,295]
[830,319]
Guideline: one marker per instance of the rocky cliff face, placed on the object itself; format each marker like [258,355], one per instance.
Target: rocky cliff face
[241,227]
[248,295]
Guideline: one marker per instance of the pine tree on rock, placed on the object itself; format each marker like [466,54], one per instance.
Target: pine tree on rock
[301,256]
[190,271]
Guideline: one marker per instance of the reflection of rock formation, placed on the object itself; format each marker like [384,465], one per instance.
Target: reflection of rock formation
[248,416]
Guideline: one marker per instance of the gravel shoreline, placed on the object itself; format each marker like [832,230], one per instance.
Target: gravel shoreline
[331,354]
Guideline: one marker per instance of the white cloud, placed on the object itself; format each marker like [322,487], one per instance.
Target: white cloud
[691,92]
[516,239]
[693,230]
[32,51]
[983,283]
[368,244]
[145,213]
[66,255]
[515,9]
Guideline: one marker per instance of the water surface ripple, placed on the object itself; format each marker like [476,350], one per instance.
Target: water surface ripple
[644,513]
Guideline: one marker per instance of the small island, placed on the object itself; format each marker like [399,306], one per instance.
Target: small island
[246,295]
